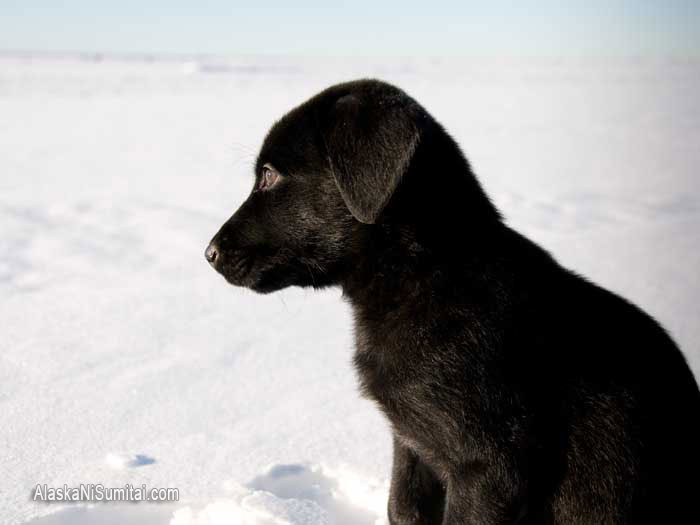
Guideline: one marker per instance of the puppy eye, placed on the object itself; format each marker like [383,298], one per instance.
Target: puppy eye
[268,178]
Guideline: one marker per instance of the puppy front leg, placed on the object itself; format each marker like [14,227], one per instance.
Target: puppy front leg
[416,496]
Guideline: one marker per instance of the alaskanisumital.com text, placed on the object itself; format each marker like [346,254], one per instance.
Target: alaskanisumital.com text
[100,493]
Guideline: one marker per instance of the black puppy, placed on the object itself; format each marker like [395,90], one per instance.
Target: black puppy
[517,391]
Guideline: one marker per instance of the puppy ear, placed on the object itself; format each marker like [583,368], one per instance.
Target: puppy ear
[370,142]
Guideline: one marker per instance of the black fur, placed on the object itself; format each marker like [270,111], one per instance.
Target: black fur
[517,391]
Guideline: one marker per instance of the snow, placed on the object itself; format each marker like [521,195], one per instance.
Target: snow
[120,461]
[125,359]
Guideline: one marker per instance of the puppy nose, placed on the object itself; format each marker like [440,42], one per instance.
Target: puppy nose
[212,254]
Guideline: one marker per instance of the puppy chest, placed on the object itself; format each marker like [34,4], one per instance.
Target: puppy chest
[427,416]
[427,428]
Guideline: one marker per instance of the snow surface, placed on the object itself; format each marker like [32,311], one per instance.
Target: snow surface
[125,359]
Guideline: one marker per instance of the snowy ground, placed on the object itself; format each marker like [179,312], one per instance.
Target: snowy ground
[125,359]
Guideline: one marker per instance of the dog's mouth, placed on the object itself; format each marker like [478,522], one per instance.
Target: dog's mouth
[250,269]
[238,269]
[262,270]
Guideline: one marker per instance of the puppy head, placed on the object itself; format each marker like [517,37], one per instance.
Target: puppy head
[325,172]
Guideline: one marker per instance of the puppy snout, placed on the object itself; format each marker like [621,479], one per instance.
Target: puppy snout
[212,254]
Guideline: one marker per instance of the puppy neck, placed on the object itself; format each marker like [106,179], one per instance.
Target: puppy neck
[396,263]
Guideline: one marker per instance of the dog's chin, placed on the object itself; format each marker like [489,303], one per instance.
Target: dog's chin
[264,278]
[265,287]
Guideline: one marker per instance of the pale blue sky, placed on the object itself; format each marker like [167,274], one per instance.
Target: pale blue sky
[361,27]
